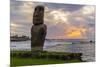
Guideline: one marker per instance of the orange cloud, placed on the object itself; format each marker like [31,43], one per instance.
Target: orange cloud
[75,32]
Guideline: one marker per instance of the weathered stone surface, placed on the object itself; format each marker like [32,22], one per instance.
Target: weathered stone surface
[38,15]
[38,33]
[38,30]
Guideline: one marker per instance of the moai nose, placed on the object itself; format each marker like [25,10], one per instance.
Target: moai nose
[36,14]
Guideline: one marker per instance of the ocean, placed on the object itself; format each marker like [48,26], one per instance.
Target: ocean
[87,49]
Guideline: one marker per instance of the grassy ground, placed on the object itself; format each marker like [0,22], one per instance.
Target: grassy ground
[15,61]
[26,58]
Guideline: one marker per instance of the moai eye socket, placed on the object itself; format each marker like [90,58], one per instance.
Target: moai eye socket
[39,10]
[36,10]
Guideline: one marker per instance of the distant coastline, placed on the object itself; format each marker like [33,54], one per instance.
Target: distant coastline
[19,38]
[74,41]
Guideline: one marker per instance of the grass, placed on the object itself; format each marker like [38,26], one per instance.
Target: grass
[15,61]
[26,58]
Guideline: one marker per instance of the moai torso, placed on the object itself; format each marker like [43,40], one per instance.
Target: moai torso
[38,30]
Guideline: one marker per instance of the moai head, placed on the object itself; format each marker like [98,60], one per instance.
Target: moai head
[38,15]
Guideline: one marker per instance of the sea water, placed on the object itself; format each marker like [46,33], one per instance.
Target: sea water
[87,49]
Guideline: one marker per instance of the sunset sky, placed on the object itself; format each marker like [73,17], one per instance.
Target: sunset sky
[64,21]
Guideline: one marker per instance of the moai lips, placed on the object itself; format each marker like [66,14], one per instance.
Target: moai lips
[38,30]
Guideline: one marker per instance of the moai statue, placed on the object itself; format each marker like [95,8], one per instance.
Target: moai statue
[38,30]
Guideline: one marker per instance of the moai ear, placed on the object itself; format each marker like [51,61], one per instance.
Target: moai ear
[38,15]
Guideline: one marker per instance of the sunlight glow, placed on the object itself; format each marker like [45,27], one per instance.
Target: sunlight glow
[14,25]
[75,32]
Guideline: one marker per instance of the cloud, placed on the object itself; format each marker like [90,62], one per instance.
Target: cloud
[62,20]
[88,10]
[69,7]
